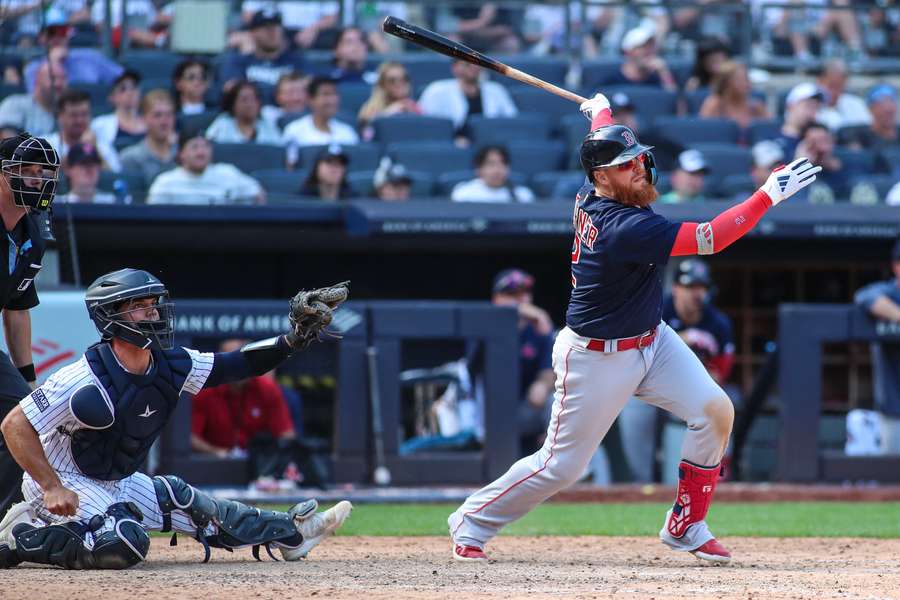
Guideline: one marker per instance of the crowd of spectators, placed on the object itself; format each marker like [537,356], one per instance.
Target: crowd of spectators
[266,90]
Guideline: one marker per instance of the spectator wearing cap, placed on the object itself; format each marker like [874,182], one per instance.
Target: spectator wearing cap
[881,300]
[82,64]
[492,183]
[465,95]
[241,123]
[731,99]
[835,179]
[34,112]
[839,109]
[125,125]
[642,65]
[689,311]
[801,106]
[320,128]
[307,20]
[688,180]
[190,80]
[391,95]
[327,179]
[291,98]
[82,170]
[712,53]
[882,132]
[74,118]
[196,181]
[157,151]
[767,155]
[350,55]
[513,288]
[392,182]
[271,58]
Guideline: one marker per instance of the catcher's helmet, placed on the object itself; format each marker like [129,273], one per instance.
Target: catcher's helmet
[34,188]
[613,145]
[107,300]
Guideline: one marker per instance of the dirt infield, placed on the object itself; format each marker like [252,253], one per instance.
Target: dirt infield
[373,568]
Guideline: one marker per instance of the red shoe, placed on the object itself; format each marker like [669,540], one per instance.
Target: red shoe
[713,551]
[469,553]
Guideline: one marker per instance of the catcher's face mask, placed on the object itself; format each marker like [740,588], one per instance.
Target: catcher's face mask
[146,322]
[32,173]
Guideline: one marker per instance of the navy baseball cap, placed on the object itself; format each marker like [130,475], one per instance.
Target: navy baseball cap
[693,272]
[511,281]
[264,17]
[83,154]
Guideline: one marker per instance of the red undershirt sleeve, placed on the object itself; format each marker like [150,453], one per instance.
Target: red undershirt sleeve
[722,231]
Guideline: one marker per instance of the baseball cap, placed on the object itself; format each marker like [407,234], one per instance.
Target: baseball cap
[880,92]
[693,272]
[804,91]
[895,255]
[692,161]
[83,154]
[55,23]
[390,172]
[620,101]
[333,151]
[637,37]
[512,280]
[264,17]
[767,154]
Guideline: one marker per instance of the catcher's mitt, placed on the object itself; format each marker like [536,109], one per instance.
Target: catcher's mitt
[312,311]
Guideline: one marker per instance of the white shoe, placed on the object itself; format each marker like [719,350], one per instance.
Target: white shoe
[315,527]
[20,512]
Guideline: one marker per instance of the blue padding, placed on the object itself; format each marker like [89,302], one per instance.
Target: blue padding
[91,408]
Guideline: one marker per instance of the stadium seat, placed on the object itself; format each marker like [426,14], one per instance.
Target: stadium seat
[762,129]
[534,156]
[735,185]
[134,182]
[726,159]
[99,93]
[250,157]
[526,126]
[595,71]
[155,83]
[693,130]
[574,128]
[530,99]
[409,128]
[363,157]
[362,184]
[550,69]
[557,185]
[431,157]
[151,63]
[426,68]
[694,99]
[8,89]
[353,96]
[891,156]
[196,123]
[648,101]
[280,181]
[287,118]
[857,162]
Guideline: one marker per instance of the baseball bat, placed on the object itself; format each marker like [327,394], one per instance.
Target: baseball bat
[438,43]
[381,475]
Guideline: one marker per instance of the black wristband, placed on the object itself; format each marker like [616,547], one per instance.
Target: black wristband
[28,372]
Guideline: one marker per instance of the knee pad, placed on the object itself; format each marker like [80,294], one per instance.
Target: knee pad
[127,543]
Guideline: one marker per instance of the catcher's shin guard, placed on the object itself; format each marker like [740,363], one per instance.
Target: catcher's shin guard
[237,525]
[696,485]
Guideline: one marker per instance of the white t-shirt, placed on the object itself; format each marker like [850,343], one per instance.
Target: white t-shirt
[445,99]
[848,110]
[303,132]
[220,183]
[477,190]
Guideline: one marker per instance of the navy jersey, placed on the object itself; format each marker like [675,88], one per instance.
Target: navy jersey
[618,259]
[535,355]
[713,322]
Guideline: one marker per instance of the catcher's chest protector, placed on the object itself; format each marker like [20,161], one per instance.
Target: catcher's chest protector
[141,405]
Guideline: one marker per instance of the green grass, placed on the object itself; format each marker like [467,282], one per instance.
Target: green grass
[793,519]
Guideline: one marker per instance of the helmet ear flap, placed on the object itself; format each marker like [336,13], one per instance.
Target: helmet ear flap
[650,167]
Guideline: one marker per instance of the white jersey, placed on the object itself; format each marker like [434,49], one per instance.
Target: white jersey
[48,408]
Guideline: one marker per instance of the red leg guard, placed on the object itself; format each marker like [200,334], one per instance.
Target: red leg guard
[694,495]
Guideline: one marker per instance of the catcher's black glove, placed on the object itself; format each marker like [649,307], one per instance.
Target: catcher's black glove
[312,311]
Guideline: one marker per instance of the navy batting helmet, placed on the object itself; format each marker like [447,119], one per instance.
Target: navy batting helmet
[614,145]
[108,303]
[31,166]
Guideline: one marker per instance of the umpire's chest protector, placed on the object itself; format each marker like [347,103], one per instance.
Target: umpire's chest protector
[142,405]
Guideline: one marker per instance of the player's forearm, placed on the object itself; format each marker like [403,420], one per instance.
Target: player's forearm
[25,446]
[722,231]
[17,328]
[885,308]
[229,367]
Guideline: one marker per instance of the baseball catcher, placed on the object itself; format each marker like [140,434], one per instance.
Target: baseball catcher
[83,434]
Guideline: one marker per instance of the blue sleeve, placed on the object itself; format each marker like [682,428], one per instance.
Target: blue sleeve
[230,367]
[640,236]
[865,297]
[545,358]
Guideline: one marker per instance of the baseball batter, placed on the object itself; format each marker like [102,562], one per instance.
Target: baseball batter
[83,434]
[615,346]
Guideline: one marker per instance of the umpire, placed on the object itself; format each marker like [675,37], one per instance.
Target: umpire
[29,169]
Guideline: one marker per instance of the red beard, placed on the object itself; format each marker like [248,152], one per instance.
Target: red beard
[640,195]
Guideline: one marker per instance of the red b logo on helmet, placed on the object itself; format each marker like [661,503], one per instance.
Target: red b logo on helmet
[629,138]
